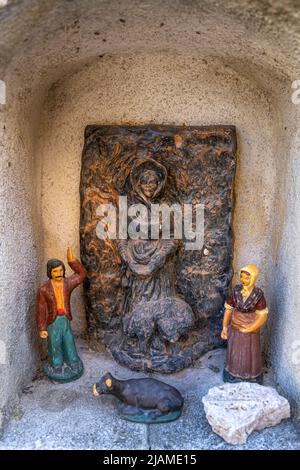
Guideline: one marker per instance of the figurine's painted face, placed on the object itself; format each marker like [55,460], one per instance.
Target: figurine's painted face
[245,278]
[149,182]
[249,275]
[57,274]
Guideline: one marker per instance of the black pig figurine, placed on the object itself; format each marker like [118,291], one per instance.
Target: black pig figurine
[143,400]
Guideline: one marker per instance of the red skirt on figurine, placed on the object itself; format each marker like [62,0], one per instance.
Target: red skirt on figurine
[244,359]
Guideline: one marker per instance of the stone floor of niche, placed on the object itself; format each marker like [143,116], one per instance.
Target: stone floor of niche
[68,416]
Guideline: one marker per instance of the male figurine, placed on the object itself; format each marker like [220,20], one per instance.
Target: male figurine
[53,315]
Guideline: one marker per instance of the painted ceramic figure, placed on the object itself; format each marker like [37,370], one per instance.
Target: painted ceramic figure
[54,316]
[245,314]
[143,400]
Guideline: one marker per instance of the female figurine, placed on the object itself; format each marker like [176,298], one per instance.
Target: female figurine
[53,317]
[245,314]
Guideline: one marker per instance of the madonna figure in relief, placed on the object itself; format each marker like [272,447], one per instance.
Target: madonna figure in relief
[155,315]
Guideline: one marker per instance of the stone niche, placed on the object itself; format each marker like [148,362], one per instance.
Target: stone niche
[210,62]
[157,305]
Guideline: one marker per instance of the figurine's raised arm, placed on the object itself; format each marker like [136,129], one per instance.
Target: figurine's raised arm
[70,256]
[79,274]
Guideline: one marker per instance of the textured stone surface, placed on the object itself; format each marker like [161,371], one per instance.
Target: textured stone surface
[192,430]
[68,416]
[234,411]
[69,64]
[198,170]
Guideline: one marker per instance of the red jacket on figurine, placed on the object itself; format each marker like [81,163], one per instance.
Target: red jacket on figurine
[46,310]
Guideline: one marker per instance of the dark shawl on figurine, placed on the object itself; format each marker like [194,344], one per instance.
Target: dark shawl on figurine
[255,301]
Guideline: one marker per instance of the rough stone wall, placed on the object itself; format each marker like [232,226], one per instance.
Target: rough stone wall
[197,62]
[284,329]
[19,248]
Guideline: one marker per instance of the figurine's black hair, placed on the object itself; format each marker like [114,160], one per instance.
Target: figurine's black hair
[54,263]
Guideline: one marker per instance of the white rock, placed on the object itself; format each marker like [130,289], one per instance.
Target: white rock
[235,410]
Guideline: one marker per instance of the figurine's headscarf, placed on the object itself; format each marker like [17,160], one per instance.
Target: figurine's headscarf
[139,167]
[251,269]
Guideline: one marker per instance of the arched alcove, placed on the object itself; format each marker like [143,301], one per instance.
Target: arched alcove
[67,64]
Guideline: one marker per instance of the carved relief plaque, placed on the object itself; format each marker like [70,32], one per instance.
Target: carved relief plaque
[155,303]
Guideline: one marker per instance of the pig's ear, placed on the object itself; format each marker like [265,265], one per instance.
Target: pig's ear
[108,383]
